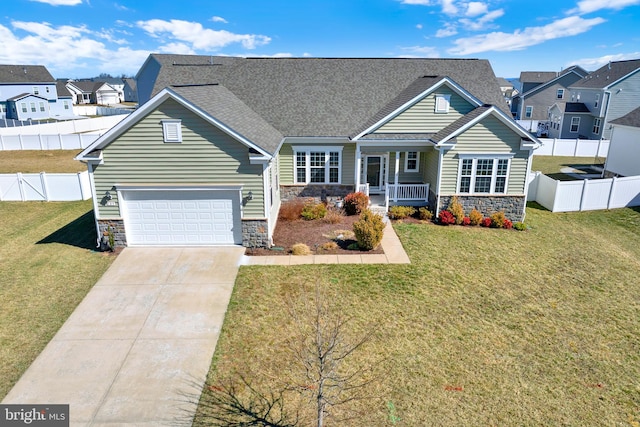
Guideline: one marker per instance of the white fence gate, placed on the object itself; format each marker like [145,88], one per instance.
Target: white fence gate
[584,195]
[55,187]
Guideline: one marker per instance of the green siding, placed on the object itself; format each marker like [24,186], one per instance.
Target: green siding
[431,169]
[422,118]
[206,155]
[407,177]
[348,162]
[488,136]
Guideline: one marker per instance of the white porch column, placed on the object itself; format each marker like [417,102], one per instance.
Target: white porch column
[358,167]
[395,177]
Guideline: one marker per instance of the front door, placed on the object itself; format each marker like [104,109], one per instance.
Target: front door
[374,173]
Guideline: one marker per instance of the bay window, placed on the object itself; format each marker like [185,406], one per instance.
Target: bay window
[483,175]
[317,165]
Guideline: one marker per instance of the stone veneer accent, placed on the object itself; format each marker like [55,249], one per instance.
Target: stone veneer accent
[512,206]
[320,192]
[117,227]
[255,233]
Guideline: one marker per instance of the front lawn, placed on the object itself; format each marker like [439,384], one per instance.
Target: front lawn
[47,265]
[484,327]
[36,161]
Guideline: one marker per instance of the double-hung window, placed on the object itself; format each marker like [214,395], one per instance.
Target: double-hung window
[318,165]
[575,124]
[596,126]
[411,161]
[483,175]
[560,93]
[528,111]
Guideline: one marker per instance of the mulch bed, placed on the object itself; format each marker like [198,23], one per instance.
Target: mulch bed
[314,234]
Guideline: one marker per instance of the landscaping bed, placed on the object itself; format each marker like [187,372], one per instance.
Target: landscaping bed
[314,233]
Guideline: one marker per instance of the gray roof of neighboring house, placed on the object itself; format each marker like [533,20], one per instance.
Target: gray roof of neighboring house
[89,86]
[222,105]
[323,96]
[607,74]
[502,82]
[24,95]
[25,74]
[576,107]
[630,119]
[131,82]
[61,88]
[537,76]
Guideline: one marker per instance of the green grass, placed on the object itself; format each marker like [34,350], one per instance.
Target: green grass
[553,165]
[36,161]
[485,327]
[47,265]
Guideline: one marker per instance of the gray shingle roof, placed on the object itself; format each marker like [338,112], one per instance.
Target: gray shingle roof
[61,89]
[224,106]
[131,82]
[537,76]
[322,96]
[25,74]
[607,74]
[462,121]
[630,119]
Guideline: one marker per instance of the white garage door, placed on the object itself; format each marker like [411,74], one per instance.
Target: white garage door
[182,218]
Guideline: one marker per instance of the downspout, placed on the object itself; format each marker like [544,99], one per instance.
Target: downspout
[606,113]
[95,203]
[440,155]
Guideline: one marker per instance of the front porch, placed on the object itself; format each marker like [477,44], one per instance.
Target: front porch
[397,195]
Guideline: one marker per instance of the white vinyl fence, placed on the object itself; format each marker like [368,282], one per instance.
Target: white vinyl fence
[47,142]
[584,195]
[94,110]
[55,187]
[98,124]
[573,147]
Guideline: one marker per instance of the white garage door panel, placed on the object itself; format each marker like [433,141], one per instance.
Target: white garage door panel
[182,217]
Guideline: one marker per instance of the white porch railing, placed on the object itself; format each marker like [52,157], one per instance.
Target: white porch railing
[364,188]
[406,192]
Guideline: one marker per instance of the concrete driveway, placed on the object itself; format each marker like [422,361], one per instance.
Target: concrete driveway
[137,349]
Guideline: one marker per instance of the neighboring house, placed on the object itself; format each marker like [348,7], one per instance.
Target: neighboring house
[65,98]
[117,84]
[28,92]
[624,148]
[90,92]
[219,142]
[534,102]
[507,89]
[608,93]
[130,90]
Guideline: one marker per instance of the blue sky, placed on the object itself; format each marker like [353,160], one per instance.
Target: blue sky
[82,38]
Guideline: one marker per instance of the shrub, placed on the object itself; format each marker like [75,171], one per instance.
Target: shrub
[507,224]
[313,211]
[475,217]
[520,226]
[497,220]
[446,218]
[399,212]
[456,210]
[329,246]
[333,216]
[300,249]
[291,210]
[368,230]
[466,221]
[355,203]
[486,222]
[425,214]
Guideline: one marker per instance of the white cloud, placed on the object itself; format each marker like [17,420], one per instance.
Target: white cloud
[60,2]
[483,22]
[595,63]
[588,6]
[419,26]
[476,8]
[448,31]
[67,51]
[176,48]
[448,7]
[219,19]
[519,39]
[420,52]
[199,37]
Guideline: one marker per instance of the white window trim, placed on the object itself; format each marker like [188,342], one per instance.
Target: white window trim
[406,161]
[307,165]
[494,171]
[597,101]
[528,114]
[560,94]
[597,123]
[167,126]
[36,90]
[439,99]
[577,125]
